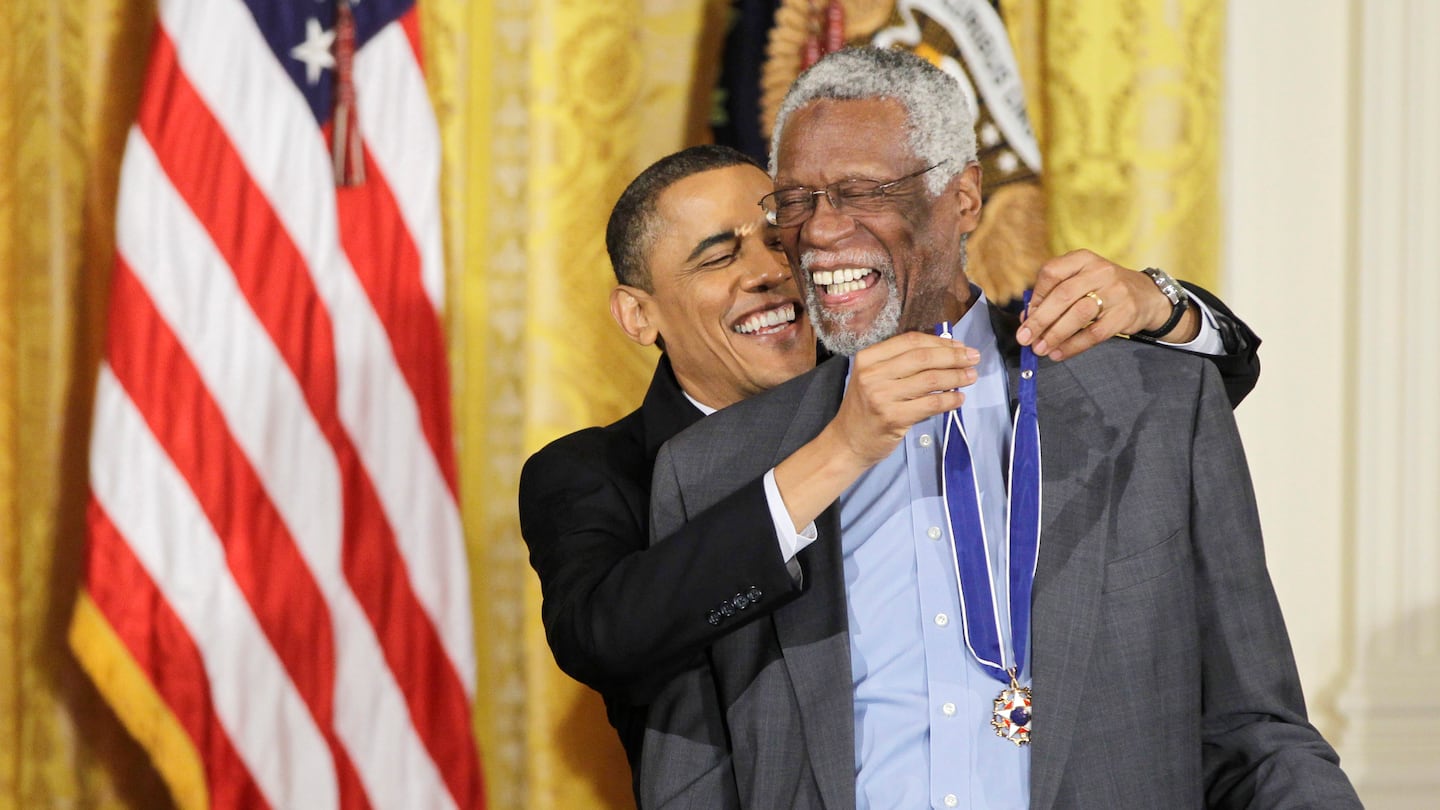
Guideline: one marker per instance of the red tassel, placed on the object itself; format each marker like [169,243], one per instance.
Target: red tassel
[834,26]
[814,48]
[812,52]
[347,151]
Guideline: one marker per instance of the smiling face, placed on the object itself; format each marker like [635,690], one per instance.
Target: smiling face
[868,276]
[723,302]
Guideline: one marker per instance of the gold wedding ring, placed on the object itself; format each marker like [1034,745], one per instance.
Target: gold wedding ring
[1099,305]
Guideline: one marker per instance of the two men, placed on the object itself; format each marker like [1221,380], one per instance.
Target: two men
[1126,594]
[691,251]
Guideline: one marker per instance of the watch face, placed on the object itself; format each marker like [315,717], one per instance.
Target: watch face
[1168,286]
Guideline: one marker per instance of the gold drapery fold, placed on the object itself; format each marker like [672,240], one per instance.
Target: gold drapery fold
[557,104]
[1131,95]
[69,78]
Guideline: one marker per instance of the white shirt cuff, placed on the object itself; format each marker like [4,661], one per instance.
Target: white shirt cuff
[791,541]
[1209,340]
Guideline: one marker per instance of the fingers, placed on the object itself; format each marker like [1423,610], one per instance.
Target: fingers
[872,435]
[899,382]
[923,407]
[905,343]
[1081,299]
[1057,270]
[915,364]
[896,385]
[882,386]
[1059,307]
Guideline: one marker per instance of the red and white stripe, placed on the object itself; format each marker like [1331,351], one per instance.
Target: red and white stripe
[272,464]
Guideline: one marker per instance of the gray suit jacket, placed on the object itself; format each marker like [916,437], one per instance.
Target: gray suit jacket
[1162,670]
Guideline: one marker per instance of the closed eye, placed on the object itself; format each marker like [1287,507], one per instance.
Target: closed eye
[718,260]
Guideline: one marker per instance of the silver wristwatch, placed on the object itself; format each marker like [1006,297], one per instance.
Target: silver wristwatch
[1179,301]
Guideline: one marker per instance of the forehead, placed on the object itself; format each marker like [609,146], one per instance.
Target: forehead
[706,203]
[829,139]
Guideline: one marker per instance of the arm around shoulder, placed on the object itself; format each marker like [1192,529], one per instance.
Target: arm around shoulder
[1239,366]
[616,608]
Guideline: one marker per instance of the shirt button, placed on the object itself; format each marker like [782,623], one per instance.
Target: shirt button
[925,440]
[951,800]
[948,709]
[933,532]
[941,619]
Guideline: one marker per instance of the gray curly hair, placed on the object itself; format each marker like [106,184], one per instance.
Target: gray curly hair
[940,123]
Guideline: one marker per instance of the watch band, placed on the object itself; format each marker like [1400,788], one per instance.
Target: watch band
[1179,302]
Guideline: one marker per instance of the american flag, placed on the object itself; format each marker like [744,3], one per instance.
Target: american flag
[276,599]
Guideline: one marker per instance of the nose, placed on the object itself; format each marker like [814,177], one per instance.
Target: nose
[827,225]
[768,271]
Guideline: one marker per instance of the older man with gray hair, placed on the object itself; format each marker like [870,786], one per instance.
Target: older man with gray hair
[1053,596]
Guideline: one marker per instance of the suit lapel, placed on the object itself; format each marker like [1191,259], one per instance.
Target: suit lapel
[812,630]
[665,410]
[1070,570]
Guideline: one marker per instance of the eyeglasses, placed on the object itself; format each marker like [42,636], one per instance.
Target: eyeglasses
[789,207]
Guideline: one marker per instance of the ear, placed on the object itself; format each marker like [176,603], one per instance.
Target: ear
[965,189]
[632,308]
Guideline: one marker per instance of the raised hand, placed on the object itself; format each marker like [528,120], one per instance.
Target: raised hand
[893,385]
[1081,299]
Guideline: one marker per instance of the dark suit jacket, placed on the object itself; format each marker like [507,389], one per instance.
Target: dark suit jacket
[1163,675]
[618,620]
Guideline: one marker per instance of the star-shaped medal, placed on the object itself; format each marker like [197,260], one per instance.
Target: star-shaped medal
[1012,714]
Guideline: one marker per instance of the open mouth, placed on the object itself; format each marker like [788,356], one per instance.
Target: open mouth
[767,321]
[844,280]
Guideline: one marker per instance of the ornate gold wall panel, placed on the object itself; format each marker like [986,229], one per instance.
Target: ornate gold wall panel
[1132,128]
[69,74]
[580,370]
[556,105]
[477,55]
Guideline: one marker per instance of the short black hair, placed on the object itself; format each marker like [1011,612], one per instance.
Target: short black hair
[632,229]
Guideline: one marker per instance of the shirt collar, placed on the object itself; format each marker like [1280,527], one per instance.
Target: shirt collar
[705,409]
[974,328]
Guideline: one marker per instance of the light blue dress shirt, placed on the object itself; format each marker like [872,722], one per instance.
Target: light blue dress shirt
[922,704]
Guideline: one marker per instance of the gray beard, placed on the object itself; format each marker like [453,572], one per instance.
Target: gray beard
[834,328]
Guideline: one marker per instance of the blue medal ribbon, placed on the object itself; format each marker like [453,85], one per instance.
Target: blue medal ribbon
[979,603]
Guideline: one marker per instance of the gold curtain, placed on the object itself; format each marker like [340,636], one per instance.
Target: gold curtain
[1129,100]
[547,108]
[553,106]
[69,76]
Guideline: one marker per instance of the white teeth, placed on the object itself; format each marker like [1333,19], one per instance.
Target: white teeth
[766,319]
[837,282]
[825,278]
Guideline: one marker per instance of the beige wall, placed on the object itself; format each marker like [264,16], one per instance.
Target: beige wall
[1331,200]
[1285,268]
